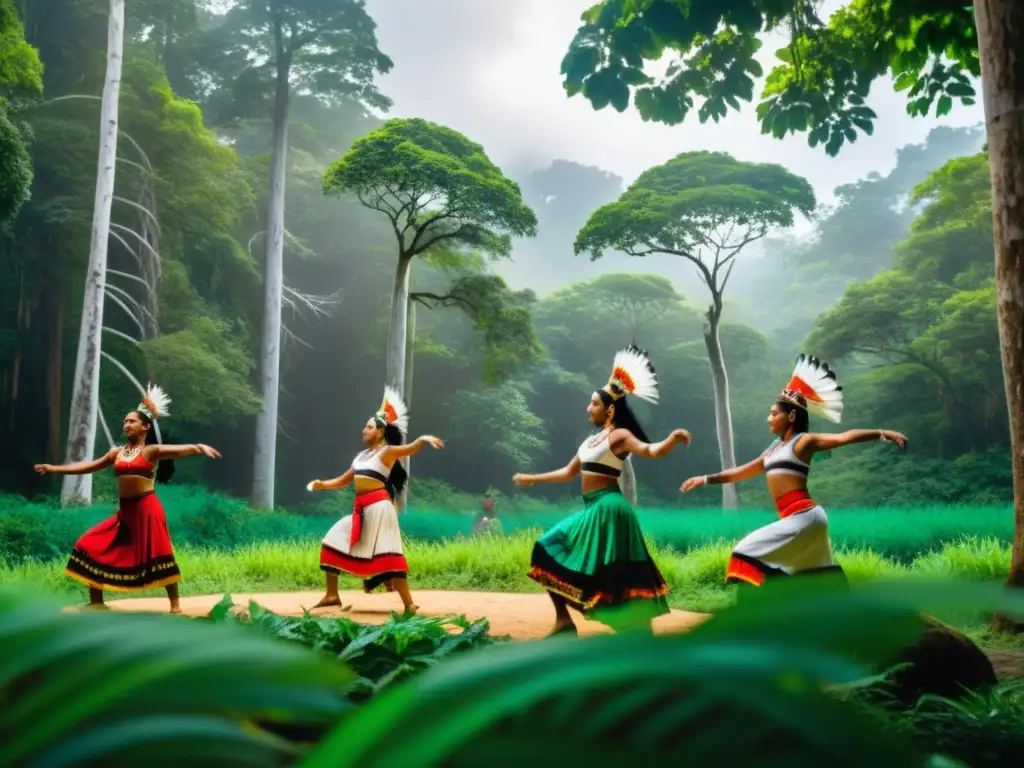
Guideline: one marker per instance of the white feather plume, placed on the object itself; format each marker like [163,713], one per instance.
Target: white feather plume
[815,375]
[643,382]
[395,401]
[156,401]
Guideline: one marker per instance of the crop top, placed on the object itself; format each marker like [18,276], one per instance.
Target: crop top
[368,464]
[599,459]
[136,466]
[782,459]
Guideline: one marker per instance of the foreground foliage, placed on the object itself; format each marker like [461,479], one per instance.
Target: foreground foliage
[378,655]
[76,683]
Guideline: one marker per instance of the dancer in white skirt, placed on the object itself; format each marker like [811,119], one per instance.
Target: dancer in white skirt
[368,543]
[798,542]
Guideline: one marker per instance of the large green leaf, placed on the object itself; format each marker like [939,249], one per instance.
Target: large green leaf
[108,688]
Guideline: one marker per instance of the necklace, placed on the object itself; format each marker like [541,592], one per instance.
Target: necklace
[130,453]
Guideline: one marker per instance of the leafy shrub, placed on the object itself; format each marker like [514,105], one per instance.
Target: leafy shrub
[379,654]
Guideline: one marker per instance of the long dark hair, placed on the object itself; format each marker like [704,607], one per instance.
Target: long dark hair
[164,467]
[623,418]
[802,422]
[396,481]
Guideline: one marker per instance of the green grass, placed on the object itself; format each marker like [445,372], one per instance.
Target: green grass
[200,519]
[499,564]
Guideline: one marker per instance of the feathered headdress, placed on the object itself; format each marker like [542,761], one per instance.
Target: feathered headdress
[632,374]
[815,382]
[154,402]
[393,410]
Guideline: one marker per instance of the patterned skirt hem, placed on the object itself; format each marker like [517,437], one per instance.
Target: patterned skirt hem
[574,595]
[160,573]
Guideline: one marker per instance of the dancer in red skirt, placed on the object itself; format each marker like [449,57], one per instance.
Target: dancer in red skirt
[131,550]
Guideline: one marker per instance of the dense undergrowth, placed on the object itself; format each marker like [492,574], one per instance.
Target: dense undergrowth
[199,519]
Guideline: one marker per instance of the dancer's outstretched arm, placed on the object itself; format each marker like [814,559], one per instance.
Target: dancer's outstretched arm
[400,451]
[160,451]
[623,438]
[80,468]
[563,475]
[332,485]
[815,442]
[746,472]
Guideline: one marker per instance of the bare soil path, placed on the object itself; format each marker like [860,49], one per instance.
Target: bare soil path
[521,616]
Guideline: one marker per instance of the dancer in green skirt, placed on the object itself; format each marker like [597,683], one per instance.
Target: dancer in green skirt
[596,560]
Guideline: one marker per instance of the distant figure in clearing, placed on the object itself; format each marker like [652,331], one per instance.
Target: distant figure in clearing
[484,522]
[368,543]
[798,542]
[132,550]
[596,560]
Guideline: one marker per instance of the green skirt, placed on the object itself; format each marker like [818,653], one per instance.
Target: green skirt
[597,560]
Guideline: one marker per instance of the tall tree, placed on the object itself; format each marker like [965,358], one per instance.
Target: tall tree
[930,47]
[438,189]
[704,207]
[324,47]
[20,76]
[85,394]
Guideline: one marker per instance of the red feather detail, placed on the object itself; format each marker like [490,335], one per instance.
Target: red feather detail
[622,376]
[149,404]
[798,385]
[390,414]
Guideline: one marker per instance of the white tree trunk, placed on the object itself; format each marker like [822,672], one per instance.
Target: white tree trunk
[85,394]
[265,455]
[398,329]
[723,412]
[410,347]
[1000,26]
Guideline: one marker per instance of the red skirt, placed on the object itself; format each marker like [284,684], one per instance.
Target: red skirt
[127,552]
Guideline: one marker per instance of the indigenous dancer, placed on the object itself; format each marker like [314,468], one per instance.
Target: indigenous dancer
[798,541]
[131,550]
[596,560]
[368,543]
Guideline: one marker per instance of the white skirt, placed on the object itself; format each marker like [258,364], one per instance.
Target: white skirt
[377,556]
[795,544]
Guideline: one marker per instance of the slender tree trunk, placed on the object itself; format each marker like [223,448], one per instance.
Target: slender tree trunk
[55,371]
[1000,26]
[265,455]
[723,412]
[85,395]
[410,348]
[398,329]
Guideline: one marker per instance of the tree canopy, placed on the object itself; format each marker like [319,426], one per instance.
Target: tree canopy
[435,186]
[820,85]
[696,202]
[21,76]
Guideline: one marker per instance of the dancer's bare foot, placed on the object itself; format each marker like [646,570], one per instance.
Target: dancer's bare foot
[564,628]
[175,608]
[96,607]
[331,601]
[410,610]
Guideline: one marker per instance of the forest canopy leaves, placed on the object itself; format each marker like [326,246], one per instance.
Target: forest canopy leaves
[818,88]
[436,186]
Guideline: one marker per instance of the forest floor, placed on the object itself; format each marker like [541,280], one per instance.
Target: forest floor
[520,616]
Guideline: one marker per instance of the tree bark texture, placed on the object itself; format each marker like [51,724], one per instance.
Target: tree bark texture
[85,395]
[723,412]
[265,453]
[1000,26]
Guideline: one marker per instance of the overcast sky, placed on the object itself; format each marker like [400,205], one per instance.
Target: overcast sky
[490,69]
